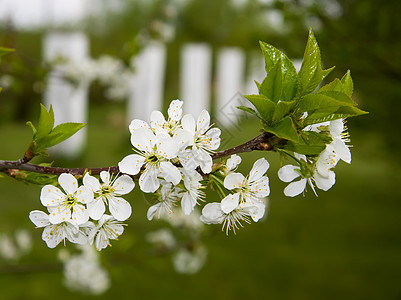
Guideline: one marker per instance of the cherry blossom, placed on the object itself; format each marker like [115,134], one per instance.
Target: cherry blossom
[204,140]
[154,153]
[53,234]
[108,192]
[61,204]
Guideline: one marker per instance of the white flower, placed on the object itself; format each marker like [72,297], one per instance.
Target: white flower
[255,186]
[193,191]
[159,124]
[340,138]
[204,142]
[162,237]
[82,272]
[190,261]
[290,172]
[53,234]
[60,204]
[233,162]
[108,228]
[108,192]
[167,197]
[155,152]
[230,212]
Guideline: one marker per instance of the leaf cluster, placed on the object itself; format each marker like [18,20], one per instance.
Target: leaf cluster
[45,135]
[288,100]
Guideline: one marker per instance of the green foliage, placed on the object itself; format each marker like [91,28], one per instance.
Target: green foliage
[45,136]
[4,51]
[288,102]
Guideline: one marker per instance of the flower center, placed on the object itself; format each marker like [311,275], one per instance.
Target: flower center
[70,201]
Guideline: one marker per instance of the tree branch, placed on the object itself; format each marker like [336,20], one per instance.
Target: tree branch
[261,142]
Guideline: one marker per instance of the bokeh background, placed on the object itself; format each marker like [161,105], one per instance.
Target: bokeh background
[344,244]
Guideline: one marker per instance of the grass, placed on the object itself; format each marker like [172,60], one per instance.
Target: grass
[345,244]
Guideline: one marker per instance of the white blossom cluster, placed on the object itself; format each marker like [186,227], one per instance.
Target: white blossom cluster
[83,272]
[168,153]
[12,247]
[78,213]
[320,171]
[107,70]
[170,156]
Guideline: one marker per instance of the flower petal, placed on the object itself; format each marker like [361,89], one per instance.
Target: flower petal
[59,214]
[288,173]
[131,164]
[79,214]
[68,182]
[229,203]
[157,121]
[53,235]
[234,181]
[152,211]
[259,168]
[148,182]
[123,185]
[39,218]
[187,203]
[325,183]
[212,213]
[136,124]
[203,121]
[188,123]
[105,176]
[84,195]
[91,182]
[51,196]
[170,172]
[96,209]
[175,110]
[295,188]
[260,188]
[143,139]
[120,209]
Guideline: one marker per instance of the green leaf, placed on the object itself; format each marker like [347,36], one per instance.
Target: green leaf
[249,110]
[348,84]
[289,74]
[338,96]
[4,51]
[263,105]
[311,74]
[342,113]
[46,122]
[284,129]
[272,85]
[30,125]
[310,143]
[282,109]
[59,134]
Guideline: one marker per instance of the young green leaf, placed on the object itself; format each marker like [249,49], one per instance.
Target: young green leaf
[289,74]
[249,110]
[4,51]
[59,134]
[282,109]
[263,105]
[46,122]
[272,85]
[284,129]
[348,85]
[310,143]
[310,74]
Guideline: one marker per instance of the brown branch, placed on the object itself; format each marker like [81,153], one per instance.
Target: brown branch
[261,142]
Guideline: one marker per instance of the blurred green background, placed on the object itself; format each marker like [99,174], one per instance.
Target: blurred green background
[344,244]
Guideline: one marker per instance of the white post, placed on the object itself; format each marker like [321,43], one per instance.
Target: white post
[70,102]
[230,76]
[195,78]
[147,86]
